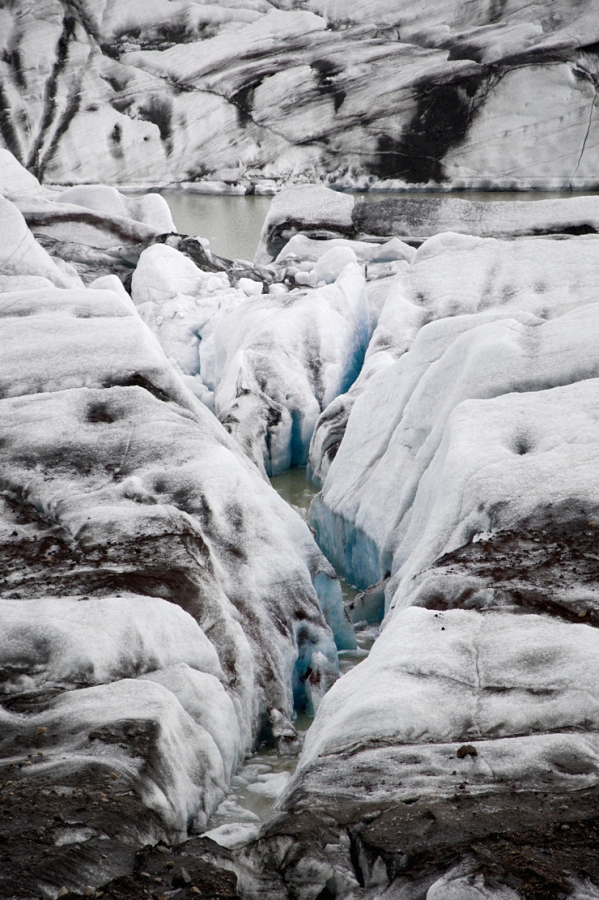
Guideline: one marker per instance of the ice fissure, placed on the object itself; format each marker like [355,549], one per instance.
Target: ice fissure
[162,609]
[464,484]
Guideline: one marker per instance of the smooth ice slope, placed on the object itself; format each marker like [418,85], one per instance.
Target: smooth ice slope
[464,283]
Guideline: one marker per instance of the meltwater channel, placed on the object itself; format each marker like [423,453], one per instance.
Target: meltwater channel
[265,775]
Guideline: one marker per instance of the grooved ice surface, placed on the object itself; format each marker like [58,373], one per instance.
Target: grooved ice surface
[267,364]
[459,482]
[507,317]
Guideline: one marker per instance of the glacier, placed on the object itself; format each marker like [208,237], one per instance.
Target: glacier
[458,487]
[164,612]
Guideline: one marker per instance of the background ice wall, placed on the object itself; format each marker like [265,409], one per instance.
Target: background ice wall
[462,94]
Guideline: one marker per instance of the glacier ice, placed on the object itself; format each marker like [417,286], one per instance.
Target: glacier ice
[281,360]
[554,295]
[162,608]
[459,487]
[266,363]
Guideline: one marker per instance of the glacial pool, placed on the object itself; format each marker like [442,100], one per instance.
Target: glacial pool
[232,223]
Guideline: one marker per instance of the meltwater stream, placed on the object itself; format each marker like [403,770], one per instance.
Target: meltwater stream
[258,784]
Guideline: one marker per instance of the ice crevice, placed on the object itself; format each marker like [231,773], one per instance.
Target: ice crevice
[160,602]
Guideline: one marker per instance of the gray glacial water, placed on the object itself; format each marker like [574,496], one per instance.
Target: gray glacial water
[233,224]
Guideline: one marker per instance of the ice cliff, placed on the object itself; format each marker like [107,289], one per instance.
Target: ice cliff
[255,93]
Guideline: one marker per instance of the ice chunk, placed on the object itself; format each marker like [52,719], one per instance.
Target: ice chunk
[80,338]
[20,255]
[15,179]
[330,266]
[85,729]
[178,462]
[407,217]
[517,443]
[251,288]
[151,209]
[460,885]
[308,205]
[271,784]
[461,676]
[281,360]
[180,303]
[234,835]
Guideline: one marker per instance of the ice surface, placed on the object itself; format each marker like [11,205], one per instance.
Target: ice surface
[97,640]
[461,676]
[161,605]
[151,209]
[306,206]
[20,255]
[459,480]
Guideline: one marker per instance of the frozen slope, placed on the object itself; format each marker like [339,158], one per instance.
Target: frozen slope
[259,93]
[161,606]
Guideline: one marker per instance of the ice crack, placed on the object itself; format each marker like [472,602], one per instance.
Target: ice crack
[586,137]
